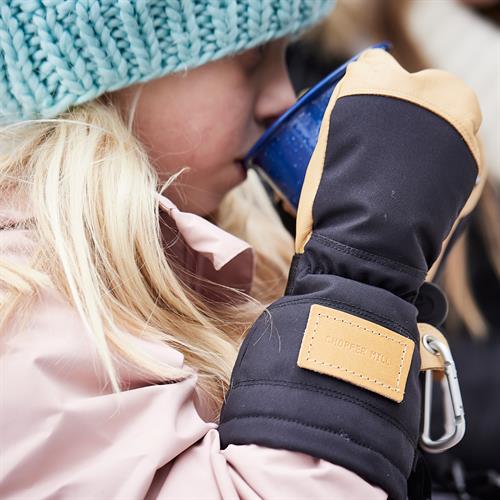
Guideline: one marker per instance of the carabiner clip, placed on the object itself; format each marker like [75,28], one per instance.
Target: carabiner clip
[453,407]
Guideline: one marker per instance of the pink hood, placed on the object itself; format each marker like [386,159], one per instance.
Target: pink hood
[63,434]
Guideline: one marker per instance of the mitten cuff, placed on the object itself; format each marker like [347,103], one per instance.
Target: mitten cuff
[346,414]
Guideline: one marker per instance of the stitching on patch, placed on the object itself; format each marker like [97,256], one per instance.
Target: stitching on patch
[357,374]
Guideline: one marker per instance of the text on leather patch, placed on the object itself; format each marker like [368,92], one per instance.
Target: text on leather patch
[358,351]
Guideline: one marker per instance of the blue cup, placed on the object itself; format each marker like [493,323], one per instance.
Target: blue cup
[283,152]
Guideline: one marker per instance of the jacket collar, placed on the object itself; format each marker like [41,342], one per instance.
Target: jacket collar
[207,251]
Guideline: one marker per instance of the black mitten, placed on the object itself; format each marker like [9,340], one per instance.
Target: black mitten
[332,368]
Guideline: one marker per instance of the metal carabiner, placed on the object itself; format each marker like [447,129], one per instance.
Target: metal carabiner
[453,407]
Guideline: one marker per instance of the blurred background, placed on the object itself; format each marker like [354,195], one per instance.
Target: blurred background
[463,37]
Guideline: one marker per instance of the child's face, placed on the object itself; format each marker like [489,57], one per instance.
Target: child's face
[207,119]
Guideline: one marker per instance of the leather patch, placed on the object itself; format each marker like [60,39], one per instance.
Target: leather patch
[357,351]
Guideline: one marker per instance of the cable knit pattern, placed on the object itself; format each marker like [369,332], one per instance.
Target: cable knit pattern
[58,53]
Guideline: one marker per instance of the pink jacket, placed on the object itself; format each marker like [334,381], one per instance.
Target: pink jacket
[63,436]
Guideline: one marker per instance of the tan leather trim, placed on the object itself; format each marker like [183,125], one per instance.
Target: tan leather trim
[377,72]
[357,351]
[428,360]
[312,178]
[466,210]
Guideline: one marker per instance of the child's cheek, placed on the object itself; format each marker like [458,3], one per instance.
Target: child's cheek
[225,138]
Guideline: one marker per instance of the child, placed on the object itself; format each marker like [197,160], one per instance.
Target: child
[122,310]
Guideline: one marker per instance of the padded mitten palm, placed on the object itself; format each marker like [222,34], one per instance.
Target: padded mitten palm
[332,368]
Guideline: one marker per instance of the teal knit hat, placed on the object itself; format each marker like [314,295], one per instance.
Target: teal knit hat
[57,53]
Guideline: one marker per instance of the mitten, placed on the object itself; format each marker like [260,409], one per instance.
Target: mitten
[332,368]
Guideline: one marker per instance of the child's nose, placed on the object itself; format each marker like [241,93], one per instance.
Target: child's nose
[275,98]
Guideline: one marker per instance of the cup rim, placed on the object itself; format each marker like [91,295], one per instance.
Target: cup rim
[319,88]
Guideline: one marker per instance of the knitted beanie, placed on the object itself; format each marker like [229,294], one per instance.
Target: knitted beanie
[58,53]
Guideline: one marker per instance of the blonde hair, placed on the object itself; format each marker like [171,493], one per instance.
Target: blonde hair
[96,228]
